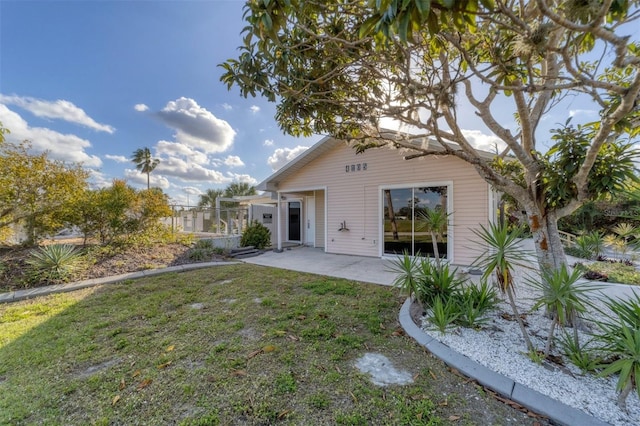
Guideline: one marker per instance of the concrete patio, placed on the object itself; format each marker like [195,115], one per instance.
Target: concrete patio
[316,261]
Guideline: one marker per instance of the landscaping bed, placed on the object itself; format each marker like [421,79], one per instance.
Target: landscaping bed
[103,261]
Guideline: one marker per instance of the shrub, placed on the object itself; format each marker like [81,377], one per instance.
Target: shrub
[437,286]
[199,255]
[202,250]
[444,313]
[54,263]
[595,276]
[580,355]
[436,281]
[204,244]
[475,302]
[406,268]
[626,346]
[620,339]
[618,272]
[256,235]
[587,246]
[563,297]
[502,253]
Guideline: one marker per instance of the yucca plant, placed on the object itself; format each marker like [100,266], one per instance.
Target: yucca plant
[475,302]
[484,296]
[406,268]
[620,339]
[434,221]
[626,346]
[54,263]
[596,242]
[502,254]
[590,245]
[422,279]
[581,356]
[563,297]
[582,247]
[437,281]
[444,313]
[627,310]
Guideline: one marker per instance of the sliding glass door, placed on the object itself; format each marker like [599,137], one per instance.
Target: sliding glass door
[405,212]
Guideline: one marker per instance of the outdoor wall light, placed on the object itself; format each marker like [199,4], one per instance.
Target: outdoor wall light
[343,226]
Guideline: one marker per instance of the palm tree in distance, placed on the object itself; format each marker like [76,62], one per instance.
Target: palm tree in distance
[239,189]
[144,162]
[208,199]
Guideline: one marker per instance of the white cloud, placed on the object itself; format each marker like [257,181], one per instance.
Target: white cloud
[98,179]
[59,109]
[282,156]
[227,106]
[155,180]
[140,107]
[255,109]
[117,158]
[484,142]
[233,161]
[66,147]
[196,127]
[268,142]
[587,112]
[242,178]
[189,171]
[173,149]
[191,190]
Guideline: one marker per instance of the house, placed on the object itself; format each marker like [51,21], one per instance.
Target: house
[370,204]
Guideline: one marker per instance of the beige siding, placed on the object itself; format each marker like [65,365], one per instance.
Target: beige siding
[354,197]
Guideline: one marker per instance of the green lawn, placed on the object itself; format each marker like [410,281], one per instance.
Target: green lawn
[226,345]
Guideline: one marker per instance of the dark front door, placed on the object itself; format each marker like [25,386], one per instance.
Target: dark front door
[294,220]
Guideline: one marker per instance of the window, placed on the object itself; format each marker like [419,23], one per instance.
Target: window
[404,220]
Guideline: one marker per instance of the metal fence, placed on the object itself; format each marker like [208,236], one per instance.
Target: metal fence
[223,221]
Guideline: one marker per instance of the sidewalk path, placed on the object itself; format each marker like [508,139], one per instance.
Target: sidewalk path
[316,261]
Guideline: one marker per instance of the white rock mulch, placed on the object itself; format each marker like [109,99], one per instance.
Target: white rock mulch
[499,346]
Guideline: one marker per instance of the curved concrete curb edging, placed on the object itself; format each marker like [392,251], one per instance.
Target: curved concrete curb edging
[14,296]
[535,401]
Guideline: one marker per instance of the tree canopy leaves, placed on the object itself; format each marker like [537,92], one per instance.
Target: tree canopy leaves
[343,68]
[34,189]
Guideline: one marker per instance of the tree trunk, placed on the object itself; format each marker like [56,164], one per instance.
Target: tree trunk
[514,308]
[622,397]
[30,231]
[548,246]
[436,253]
[392,215]
[547,349]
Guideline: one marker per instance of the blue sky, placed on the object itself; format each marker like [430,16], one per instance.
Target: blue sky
[92,81]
